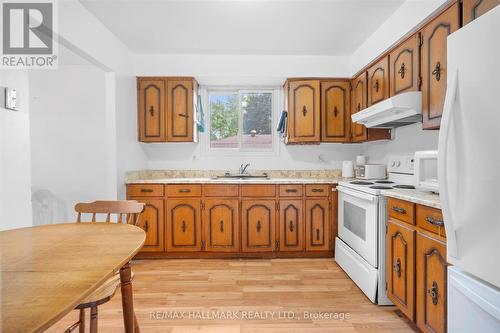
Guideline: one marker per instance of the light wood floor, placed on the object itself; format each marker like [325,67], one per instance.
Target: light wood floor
[251,287]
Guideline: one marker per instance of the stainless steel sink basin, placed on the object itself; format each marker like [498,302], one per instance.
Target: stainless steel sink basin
[242,176]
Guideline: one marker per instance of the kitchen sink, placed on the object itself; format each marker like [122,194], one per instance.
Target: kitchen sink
[228,175]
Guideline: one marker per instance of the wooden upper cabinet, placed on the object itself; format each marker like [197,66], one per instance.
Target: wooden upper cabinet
[317,224]
[166,109]
[434,65]
[258,225]
[431,288]
[151,110]
[303,111]
[404,67]
[151,221]
[359,132]
[180,110]
[221,225]
[335,111]
[378,81]
[472,9]
[183,225]
[400,267]
[291,233]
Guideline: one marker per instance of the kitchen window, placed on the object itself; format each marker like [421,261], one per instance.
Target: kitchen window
[241,120]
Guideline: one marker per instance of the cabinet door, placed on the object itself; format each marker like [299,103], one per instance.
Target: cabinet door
[359,133]
[335,111]
[404,67]
[378,81]
[400,267]
[258,225]
[221,225]
[151,221]
[431,284]
[151,110]
[304,111]
[183,225]
[472,9]
[434,65]
[180,110]
[291,227]
[317,225]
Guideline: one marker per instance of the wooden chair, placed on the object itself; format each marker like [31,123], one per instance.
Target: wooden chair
[131,209]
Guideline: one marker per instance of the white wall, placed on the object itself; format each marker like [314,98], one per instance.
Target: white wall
[404,19]
[72,141]
[15,167]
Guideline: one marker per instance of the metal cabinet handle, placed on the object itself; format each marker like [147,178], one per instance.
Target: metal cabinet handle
[221,226]
[151,110]
[437,71]
[146,190]
[376,86]
[434,222]
[433,291]
[335,111]
[183,115]
[402,70]
[291,190]
[304,110]
[291,226]
[397,267]
[359,106]
[184,190]
[399,210]
[258,226]
[315,190]
[183,227]
[146,226]
[317,234]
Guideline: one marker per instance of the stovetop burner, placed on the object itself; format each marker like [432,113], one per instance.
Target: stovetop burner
[360,182]
[381,187]
[408,187]
[384,182]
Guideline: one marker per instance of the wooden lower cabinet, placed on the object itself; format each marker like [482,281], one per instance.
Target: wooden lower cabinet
[258,225]
[400,269]
[183,225]
[151,221]
[317,224]
[291,226]
[431,287]
[221,225]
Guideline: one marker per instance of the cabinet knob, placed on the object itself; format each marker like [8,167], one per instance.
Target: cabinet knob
[183,227]
[152,111]
[434,222]
[437,71]
[402,70]
[291,226]
[376,86]
[304,110]
[221,226]
[183,115]
[335,111]
[397,267]
[433,292]
[399,210]
[146,226]
[359,106]
[258,226]
[317,234]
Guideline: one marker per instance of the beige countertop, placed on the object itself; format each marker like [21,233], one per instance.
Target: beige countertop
[236,181]
[425,198]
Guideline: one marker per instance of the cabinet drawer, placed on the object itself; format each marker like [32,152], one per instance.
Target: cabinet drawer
[321,190]
[430,219]
[144,190]
[183,190]
[290,190]
[258,190]
[221,190]
[401,210]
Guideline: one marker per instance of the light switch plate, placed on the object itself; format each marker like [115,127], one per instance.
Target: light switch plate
[11,99]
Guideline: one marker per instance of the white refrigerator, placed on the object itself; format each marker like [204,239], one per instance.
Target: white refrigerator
[469,175]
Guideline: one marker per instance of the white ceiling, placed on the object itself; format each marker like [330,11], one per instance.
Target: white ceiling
[278,27]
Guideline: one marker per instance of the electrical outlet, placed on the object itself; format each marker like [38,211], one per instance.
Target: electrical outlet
[11,99]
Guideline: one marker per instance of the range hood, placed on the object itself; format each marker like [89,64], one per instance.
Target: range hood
[400,110]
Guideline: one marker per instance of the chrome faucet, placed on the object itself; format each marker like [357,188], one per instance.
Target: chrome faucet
[243,168]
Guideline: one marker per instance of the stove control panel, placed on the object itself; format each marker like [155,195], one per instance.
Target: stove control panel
[400,164]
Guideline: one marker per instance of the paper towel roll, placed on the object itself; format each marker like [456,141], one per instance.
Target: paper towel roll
[347,169]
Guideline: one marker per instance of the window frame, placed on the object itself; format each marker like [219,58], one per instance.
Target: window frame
[240,151]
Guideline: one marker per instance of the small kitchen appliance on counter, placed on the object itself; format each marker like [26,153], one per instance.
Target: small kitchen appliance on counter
[371,171]
[426,170]
[360,245]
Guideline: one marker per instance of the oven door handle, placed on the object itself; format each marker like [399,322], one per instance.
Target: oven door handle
[356,194]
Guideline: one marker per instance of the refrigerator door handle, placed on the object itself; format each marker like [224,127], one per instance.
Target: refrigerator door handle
[444,136]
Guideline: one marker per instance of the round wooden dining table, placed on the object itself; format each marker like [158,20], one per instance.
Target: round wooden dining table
[46,271]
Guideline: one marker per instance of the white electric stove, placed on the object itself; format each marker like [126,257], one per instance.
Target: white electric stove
[362,215]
